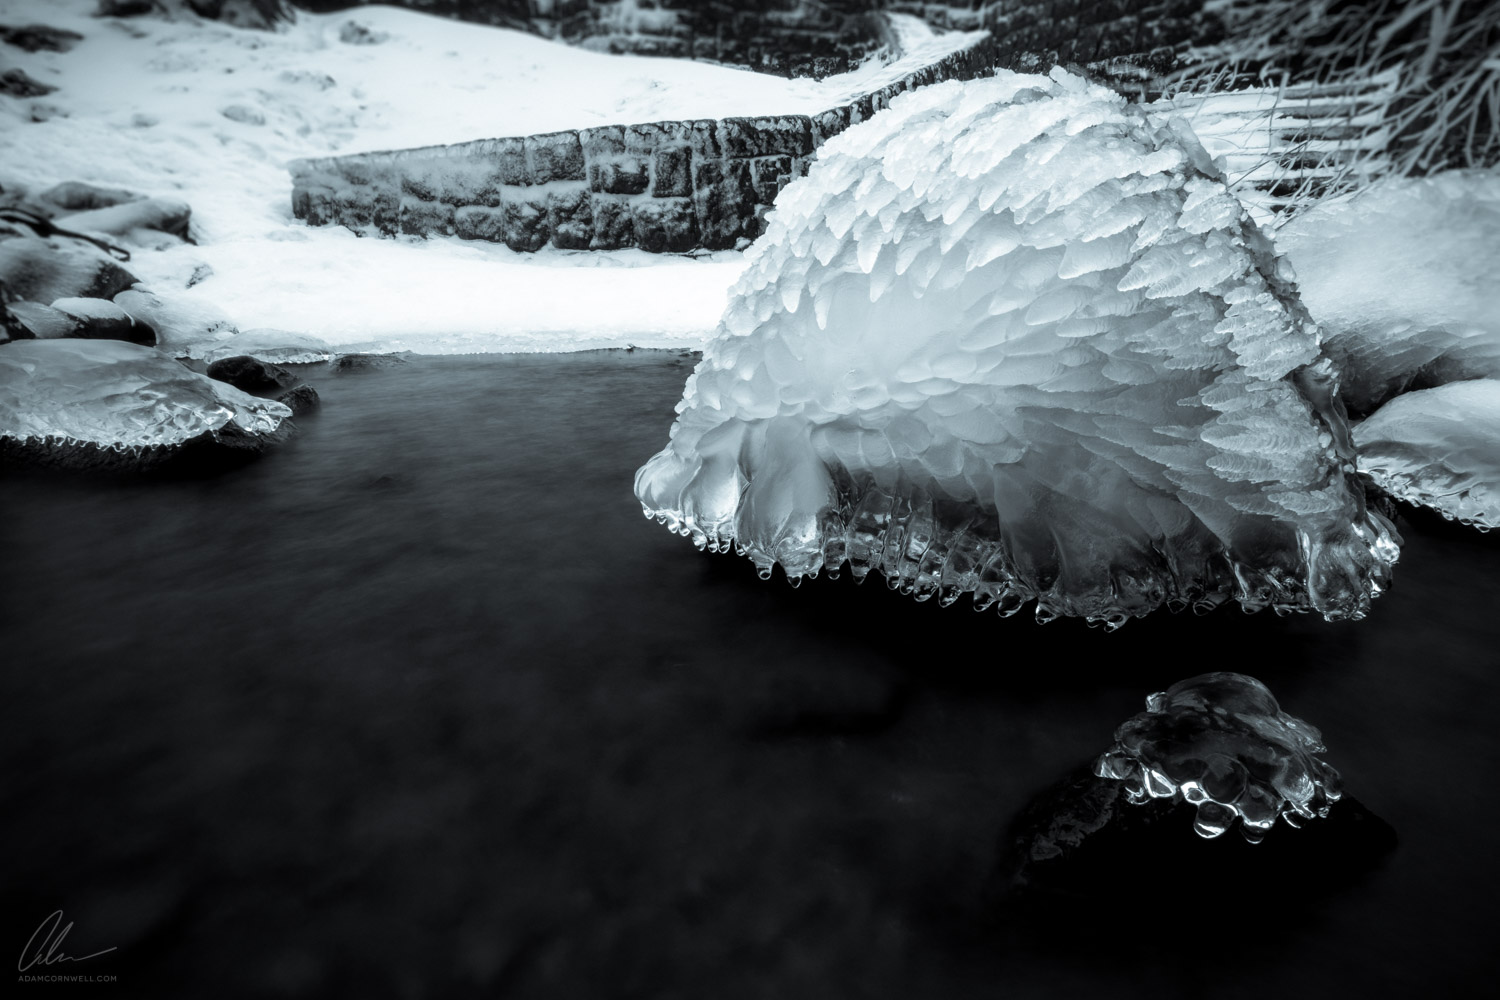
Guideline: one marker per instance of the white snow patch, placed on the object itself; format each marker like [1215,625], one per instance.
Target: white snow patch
[142,105]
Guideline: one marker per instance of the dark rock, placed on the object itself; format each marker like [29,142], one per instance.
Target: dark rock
[1081,854]
[39,37]
[250,374]
[17,83]
[46,270]
[302,399]
[100,319]
[200,274]
[354,33]
[77,196]
[44,322]
[126,8]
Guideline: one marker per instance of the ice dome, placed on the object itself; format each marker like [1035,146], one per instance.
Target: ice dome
[1015,338]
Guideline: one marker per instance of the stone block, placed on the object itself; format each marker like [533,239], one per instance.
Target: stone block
[700,136]
[765,175]
[602,143]
[724,202]
[479,222]
[510,162]
[622,175]
[555,156]
[525,225]
[665,224]
[671,172]
[749,137]
[385,214]
[827,124]
[426,218]
[614,226]
[571,218]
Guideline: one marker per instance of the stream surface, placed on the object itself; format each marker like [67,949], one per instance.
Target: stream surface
[420,705]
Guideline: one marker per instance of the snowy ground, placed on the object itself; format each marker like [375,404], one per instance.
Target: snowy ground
[142,105]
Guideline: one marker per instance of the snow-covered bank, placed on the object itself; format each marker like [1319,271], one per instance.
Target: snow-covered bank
[212,114]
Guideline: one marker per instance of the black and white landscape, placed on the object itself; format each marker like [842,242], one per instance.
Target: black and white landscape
[342,347]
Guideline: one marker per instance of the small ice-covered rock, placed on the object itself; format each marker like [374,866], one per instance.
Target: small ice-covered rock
[1012,338]
[42,270]
[1221,743]
[101,319]
[181,322]
[279,347]
[1439,448]
[111,395]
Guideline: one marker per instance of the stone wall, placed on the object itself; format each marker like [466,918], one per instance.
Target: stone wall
[662,186]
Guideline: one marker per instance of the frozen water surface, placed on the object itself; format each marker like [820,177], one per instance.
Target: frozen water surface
[1015,338]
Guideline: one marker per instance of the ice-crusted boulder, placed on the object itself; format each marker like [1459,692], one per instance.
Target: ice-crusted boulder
[1015,338]
[92,403]
[1439,448]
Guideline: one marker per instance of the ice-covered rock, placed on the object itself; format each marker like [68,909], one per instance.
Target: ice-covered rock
[1221,743]
[101,319]
[1404,279]
[1439,448]
[115,396]
[1015,338]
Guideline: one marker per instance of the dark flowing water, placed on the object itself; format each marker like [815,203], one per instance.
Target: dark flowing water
[420,705]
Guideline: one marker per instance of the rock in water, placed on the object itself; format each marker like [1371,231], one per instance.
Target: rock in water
[1221,743]
[78,402]
[1015,338]
[1209,752]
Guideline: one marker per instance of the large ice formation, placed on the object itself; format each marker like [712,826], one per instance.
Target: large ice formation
[1222,743]
[1015,338]
[1439,448]
[115,395]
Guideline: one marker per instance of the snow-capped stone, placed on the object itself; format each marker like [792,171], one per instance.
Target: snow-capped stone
[42,270]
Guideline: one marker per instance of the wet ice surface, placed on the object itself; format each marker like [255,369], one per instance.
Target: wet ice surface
[1221,743]
[1015,339]
[420,702]
[118,395]
[1439,448]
